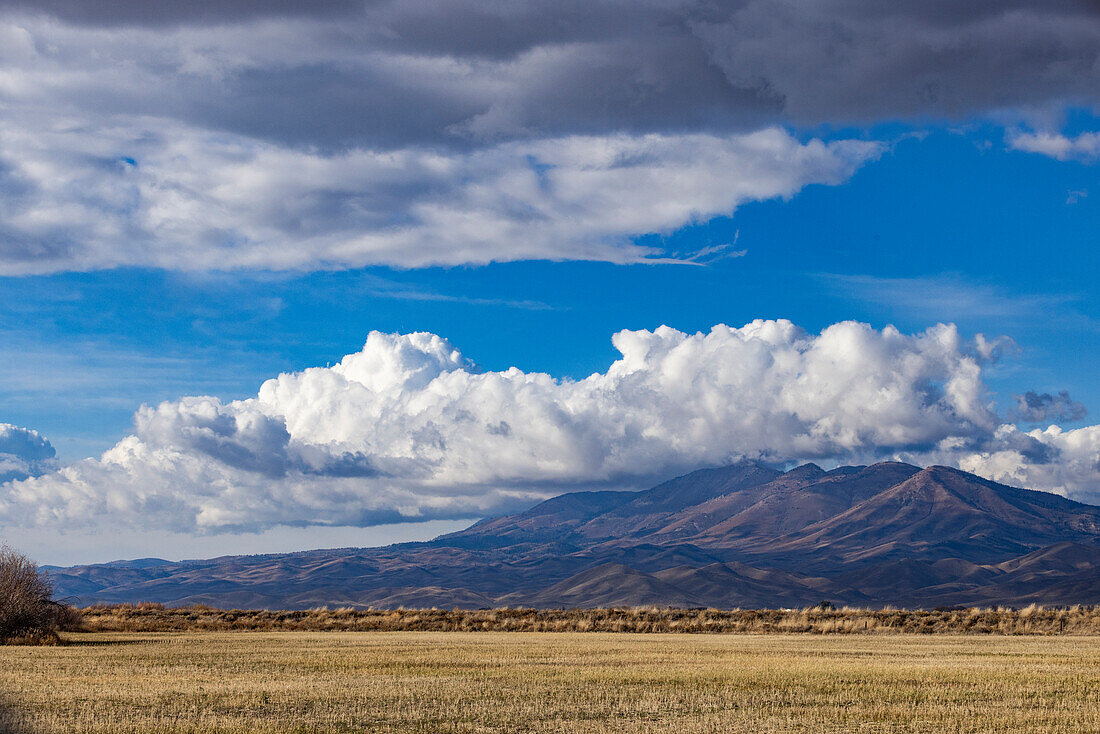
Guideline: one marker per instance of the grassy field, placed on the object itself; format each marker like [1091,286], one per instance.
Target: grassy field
[539,682]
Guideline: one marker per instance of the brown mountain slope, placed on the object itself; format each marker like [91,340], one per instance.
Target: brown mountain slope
[737,585]
[788,504]
[649,511]
[547,521]
[943,512]
[609,585]
[595,515]
[1059,557]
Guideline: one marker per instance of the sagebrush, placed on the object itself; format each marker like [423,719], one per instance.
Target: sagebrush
[1031,620]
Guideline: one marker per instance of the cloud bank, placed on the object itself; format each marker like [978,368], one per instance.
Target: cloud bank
[398,73]
[178,199]
[332,134]
[409,429]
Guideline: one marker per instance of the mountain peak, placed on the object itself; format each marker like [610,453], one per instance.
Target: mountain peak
[895,464]
[806,471]
[939,470]
[704,484]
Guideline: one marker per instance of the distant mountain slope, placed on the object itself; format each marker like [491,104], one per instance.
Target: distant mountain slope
[649,511]
[940,512]
[788,504]
[601,515]
[745,535]
[547,521]
[609,585]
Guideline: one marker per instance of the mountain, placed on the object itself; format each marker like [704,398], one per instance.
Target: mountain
[745,535]
[945,512]
[787,504]
[608,585]
[581,517]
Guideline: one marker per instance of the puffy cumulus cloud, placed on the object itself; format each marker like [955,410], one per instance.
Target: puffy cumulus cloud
[24,453]
[408,428]
[180,199]
[290,134]
[1084,147]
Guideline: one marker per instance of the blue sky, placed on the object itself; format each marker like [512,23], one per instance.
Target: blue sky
[220,228]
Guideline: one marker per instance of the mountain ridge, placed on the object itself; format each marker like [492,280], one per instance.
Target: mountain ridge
[741,535]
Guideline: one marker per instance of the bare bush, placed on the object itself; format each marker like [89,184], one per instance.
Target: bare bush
[28,612]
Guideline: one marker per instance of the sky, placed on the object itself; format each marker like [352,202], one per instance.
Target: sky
[284,275]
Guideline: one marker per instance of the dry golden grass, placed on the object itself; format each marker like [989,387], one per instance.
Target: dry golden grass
[531,682]
[1030,620]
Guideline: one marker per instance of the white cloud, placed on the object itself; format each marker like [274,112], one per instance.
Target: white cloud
[1084,147]
[408,428]
[156,194]
[1017,458]
[24,453]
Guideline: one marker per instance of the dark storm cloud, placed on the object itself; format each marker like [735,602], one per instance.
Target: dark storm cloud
[389,74]
[846,61]
[539,69]
[1033,407]
[170,12]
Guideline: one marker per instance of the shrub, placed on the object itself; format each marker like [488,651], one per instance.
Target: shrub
[28,612]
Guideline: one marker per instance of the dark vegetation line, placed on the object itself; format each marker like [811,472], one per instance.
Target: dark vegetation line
[1031,620]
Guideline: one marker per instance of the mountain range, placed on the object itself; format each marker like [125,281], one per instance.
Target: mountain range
[744,535]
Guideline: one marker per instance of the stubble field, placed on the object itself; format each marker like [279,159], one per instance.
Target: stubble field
[550,682]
